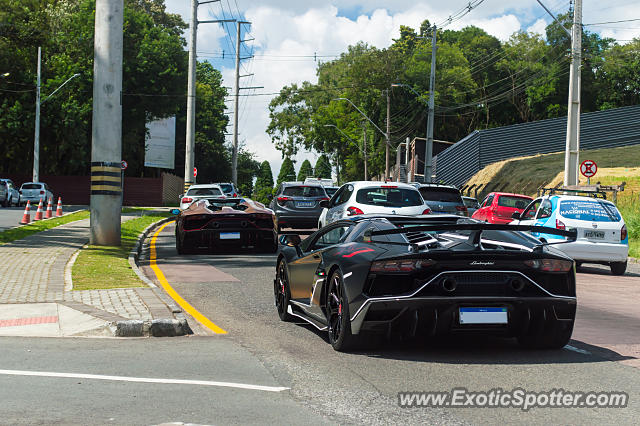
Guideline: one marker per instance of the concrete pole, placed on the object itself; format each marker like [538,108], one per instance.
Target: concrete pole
[106,143]
[398,153]
[572,148]
[234,155]
[428,153]
[388,135]
[190,146]
[364,149]
[36,139]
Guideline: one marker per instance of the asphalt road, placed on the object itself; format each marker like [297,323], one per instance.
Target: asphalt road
[11,216]
[235,292]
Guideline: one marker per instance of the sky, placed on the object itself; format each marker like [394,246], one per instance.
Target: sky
[291,35]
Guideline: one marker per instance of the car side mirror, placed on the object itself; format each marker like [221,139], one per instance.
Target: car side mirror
[291,240]
[515,216]
[324,204]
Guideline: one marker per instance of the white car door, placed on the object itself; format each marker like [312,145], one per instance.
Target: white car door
[338,204]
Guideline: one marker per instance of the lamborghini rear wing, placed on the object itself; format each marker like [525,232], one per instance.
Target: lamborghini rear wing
[476,228]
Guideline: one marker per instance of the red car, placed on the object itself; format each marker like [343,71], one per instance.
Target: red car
[498,207]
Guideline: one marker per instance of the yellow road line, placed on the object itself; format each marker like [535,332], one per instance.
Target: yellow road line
[174,295]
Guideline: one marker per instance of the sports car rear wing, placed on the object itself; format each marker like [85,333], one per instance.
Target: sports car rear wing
[476,234]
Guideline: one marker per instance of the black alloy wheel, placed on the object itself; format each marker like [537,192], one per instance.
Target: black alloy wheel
[338,320]
[281,291]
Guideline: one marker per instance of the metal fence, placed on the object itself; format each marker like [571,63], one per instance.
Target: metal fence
[601,129]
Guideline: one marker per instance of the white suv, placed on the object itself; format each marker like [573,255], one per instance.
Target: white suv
[365,197]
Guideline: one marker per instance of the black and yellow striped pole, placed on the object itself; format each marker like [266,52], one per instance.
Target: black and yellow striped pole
[106,142]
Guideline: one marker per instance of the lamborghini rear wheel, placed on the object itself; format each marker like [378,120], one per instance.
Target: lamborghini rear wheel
[281,291]
[338,320]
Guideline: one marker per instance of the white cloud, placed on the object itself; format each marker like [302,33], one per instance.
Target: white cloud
[287,28]
[539,27]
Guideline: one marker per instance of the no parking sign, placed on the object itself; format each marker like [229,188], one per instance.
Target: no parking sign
[588,168]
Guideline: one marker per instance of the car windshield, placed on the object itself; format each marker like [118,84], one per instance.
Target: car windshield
[446,195]
[304,191]
[590,210]
[31,186]
[513,202]
[204,192]
[226,187]
[389,197]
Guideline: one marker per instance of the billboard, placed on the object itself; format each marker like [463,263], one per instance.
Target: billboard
[160,143]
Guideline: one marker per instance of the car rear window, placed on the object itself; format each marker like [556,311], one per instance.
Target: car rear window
[304,191]
[591,210]
[389,197]
[446,195]
[31,186]
[330,191]
[470,202]
[226,187]
[204,191]
[513,202]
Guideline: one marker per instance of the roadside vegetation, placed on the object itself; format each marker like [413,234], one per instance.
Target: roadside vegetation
[524,175]
[102,267]
[13,234]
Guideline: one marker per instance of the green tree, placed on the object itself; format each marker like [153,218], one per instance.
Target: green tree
[248,168]
[287,171]
[323,167]
[305,170]
[264,184]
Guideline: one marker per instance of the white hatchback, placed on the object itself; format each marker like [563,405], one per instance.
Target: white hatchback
[365,197]
[602,234]
[200,192]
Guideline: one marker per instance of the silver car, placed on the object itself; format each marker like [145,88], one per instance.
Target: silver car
[34,192]
[9,194]
[443,198]
[365,197]
[200,192]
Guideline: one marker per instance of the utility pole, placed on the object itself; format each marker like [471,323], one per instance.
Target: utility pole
[573,117]
[428,152]
[106,142]
[36,139]
[234,155]
[189,155]
[388,135]
[364,150]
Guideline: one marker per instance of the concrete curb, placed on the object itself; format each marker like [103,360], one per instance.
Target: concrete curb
[161,327]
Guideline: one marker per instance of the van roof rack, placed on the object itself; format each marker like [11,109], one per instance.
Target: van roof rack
[595,191]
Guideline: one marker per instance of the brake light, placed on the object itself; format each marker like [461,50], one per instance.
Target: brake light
[235,195]
[461,208]
[427,211]
[550,265]
[623,233]
[408,265]
[389,186]
[41,192]
[282,200]
[324,199]
[187,200]
[560,225]
[353,211]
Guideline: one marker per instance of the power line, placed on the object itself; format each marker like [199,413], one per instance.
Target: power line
[612,22]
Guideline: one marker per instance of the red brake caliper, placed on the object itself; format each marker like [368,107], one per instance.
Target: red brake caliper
[340,309]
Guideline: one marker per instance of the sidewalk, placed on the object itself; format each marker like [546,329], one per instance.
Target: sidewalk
[34,301]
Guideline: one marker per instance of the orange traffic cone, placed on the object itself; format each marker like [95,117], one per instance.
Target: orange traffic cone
[38,212]
[49,212]
[26,217]
[59,208]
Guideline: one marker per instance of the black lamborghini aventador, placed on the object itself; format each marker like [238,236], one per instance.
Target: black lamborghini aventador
[424,276]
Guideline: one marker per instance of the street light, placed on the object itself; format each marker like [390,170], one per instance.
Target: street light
[364,144]
[36,141]
[428,142]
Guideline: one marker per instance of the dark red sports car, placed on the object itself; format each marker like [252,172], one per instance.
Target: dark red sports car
[226,224]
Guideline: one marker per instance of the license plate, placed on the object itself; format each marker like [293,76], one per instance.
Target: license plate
[229,235]
[483,315]
[305,203]
[597,235]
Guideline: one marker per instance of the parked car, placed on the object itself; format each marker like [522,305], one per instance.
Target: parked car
[200,192]
[471,203]
[367,197]
[9,194]
[229,189]
[221,224]
[499,207]
[297,205]
[414,277]
[602,234]
[442,198]
[330,190]
[34,192]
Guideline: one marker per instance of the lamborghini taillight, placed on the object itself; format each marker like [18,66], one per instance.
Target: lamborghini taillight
[550,265]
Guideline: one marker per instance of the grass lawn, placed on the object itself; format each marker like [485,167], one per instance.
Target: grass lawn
[35,227]
[102,267]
